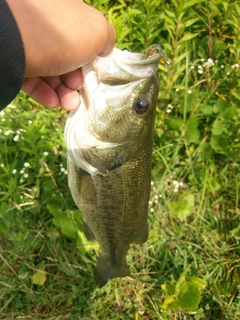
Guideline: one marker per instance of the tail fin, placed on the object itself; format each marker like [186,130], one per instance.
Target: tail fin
[105,271]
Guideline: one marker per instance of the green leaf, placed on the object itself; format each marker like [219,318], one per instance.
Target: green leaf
[205,151]
[189,296]
[69,229]
[39,277]
[216,294]
[181,57]
[236,232]
[214,185]
[192,133]
[171,303]
[235,94]
[198,282]
[23,275]
[60,219]
[173,123]
[53,233]
[188,36]
[206,110]
[53,209]
[219,142]
[83,244]
[170,14]
[169,289]
[183,207]
[229,113]
[220,106]
[190,22]
[218,127]
[191,3]
[186,294]
[219,47]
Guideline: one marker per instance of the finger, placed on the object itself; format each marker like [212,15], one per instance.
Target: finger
[69,99]
[73,80]
[40,91]
[111,41]
[53,81]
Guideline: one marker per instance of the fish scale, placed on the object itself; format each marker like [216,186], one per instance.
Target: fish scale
[109,144]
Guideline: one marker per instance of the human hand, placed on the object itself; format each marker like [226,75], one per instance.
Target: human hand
[59,37]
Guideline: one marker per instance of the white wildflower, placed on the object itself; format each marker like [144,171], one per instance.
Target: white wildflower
[192,67]
[7,133]
[2,113]
[26,164]
[45,153]
[169,109]
[189,91]
[152,210]
[22,171]
[16,138]
[25,175]
[14,171]
[62,170]
[152,183]
[29,121]
[2,165]
[209,63]
[177,89]
[200,71]
[66,172]
[222,66]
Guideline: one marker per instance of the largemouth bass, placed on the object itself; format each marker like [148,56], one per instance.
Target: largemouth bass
[109,145]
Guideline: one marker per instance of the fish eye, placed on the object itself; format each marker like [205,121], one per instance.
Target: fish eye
[141,105]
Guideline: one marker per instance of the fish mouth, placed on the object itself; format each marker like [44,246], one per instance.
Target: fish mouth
[120,67]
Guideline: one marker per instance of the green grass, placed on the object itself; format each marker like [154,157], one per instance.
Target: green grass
[46,264]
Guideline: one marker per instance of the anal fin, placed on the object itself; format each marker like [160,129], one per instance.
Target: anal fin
[105,271]
[141,234]
[88,232]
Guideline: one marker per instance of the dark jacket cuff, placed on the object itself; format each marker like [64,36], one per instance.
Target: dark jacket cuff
[12,58]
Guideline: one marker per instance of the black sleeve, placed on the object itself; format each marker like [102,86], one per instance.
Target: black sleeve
[12,59]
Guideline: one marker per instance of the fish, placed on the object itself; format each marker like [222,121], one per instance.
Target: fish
[109,152]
